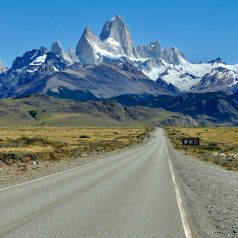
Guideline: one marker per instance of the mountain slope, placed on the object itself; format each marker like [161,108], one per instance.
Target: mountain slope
[40,71]
[98,81]
[219,79]
[28,70]
[215,108]
[185,75]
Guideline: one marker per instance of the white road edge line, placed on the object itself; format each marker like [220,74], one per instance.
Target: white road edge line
[62,172]
[185,223]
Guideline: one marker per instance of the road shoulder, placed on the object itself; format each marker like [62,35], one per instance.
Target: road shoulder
[210,195]
[10,175]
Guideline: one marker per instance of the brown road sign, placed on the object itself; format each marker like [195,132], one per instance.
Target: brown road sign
[191,141]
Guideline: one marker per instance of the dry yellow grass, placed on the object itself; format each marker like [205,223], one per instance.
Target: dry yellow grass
[222,135]
[70,135]
[218,144]
[58,142]
[27,149]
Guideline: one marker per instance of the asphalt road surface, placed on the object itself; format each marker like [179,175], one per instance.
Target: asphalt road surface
[131,194]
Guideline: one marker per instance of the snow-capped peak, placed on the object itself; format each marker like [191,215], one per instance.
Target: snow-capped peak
[115,43]
[217,61]
[184,75]
[218,79]
[32,59]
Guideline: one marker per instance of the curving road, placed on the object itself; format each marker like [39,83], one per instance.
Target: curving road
[129,195]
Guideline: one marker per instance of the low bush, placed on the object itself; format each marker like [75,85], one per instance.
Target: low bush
[84,136]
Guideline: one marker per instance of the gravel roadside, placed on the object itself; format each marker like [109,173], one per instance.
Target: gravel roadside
[20,173]
[210,195]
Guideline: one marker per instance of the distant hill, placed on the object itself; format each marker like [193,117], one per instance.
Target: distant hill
[50,111]
[127,110]
[216,108]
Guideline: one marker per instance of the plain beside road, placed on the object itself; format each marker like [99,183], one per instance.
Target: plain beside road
[32,152]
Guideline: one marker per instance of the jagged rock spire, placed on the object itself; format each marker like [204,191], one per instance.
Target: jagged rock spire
[119,31]
[85,50]
[57,49]
[115,42]
[173,56]
[71,55]
[153,50]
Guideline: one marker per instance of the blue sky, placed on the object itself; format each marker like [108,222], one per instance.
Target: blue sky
[201,29]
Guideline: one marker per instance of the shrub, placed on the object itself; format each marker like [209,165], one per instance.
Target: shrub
[84,136]
[33,141]
[15,156]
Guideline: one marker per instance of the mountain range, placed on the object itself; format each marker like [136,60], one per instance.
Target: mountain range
[154,70]
[112,66]
[170,65]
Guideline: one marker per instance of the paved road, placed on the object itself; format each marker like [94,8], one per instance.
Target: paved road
[128,195]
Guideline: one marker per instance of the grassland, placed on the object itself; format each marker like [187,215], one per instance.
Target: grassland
[219,145]
[19,145]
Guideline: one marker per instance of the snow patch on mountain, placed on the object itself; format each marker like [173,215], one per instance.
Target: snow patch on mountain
[185,75]
[39,60]
[113,43]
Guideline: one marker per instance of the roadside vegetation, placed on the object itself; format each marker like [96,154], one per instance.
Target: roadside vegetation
[218,145]
[30,145]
